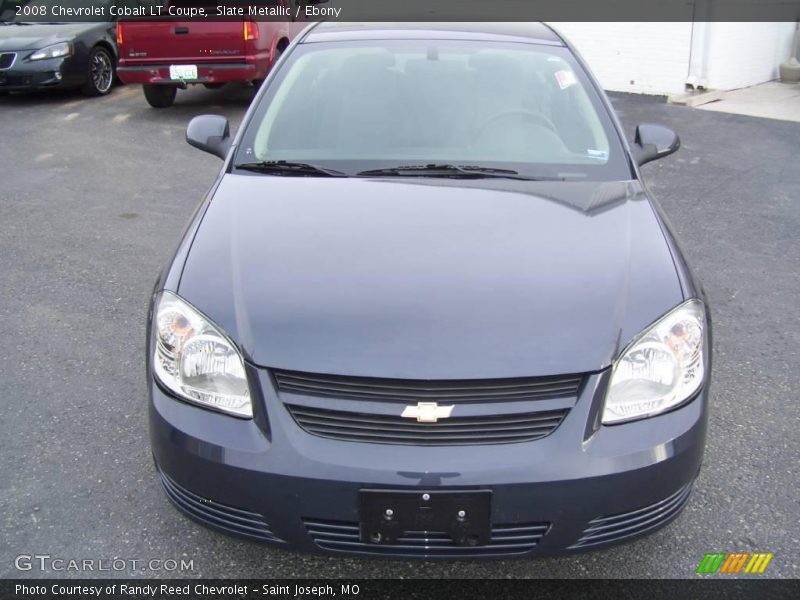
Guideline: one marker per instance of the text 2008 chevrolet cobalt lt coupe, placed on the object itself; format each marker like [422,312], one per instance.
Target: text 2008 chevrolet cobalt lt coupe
[428,308]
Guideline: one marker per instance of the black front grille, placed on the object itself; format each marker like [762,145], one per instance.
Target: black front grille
[226,518]
[507,540]
[413,390]
[394,429]
[7,59]
[605,530]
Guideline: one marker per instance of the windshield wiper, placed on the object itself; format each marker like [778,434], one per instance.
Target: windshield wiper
[446,170]
[285,167]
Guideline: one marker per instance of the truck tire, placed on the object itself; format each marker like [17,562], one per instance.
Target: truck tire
[160,96]
[101,73]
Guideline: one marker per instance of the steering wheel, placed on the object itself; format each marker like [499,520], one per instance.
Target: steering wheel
[539,118]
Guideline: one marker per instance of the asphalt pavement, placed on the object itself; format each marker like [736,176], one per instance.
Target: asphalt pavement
[95,194]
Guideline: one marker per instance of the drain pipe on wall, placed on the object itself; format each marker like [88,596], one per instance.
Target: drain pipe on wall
[697,78]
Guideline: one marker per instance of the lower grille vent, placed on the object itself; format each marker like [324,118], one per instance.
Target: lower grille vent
[605,530]
[507,540]
[219,516]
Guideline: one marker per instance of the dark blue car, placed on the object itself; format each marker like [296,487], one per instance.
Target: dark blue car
[429,308]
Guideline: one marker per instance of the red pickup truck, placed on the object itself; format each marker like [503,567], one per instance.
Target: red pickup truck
[167,53]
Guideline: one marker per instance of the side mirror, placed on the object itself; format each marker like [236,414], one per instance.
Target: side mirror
[210,133]
[653,142]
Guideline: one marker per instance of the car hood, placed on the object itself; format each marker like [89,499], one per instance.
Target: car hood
[430,278]
[33,37]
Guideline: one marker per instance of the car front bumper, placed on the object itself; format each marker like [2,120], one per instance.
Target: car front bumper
[40,74]
[268,480]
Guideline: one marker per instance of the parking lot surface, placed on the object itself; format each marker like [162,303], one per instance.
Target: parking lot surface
[94,195]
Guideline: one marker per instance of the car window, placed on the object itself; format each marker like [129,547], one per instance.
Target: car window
[370,104]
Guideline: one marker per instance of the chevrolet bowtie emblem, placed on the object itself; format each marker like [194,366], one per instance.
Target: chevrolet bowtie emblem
[427,412]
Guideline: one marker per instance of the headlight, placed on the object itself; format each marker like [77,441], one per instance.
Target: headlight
[54,51]
[196,361]
[663,367]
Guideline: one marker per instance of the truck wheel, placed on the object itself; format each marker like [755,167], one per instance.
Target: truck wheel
[100,76]
[160,96]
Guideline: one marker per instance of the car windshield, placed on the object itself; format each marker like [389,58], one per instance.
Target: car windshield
[373,105]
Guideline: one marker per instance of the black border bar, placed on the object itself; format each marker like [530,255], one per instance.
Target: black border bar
[427,10]
[423,589]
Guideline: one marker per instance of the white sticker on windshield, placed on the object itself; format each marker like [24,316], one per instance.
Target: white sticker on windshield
[598,154]
[565,79]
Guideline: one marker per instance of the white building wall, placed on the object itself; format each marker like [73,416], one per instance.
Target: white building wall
[654,58]
[649,58]
[745,54]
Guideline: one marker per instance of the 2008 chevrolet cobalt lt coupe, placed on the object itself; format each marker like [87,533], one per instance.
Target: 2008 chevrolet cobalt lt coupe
[428,308]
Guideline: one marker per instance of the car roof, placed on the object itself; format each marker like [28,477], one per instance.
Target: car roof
[532,33]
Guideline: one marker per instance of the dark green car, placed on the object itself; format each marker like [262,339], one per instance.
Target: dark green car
[39,54]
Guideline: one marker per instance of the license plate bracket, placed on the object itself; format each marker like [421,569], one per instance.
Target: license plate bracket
[385,515]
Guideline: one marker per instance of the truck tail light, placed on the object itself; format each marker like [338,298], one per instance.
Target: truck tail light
[250,30]
[119,34]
